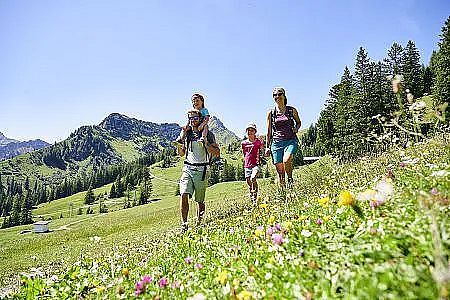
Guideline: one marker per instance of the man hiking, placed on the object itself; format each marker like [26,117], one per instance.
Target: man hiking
[194,177]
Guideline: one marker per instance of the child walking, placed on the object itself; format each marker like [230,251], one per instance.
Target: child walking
[251,148]
[198,103]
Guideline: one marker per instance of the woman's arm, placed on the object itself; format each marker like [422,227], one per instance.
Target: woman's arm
[298,122]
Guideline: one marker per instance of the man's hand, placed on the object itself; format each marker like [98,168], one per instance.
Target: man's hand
[267,152]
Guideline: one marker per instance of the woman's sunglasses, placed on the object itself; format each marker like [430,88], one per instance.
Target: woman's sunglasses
[278,94]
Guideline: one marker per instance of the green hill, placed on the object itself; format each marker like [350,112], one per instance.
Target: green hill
[315,248]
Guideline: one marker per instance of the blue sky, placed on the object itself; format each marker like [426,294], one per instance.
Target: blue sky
[64,64]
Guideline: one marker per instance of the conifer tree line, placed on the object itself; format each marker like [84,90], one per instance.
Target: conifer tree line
[17,198]
[363,102]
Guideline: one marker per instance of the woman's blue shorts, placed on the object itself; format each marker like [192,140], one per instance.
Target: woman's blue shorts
[278,148]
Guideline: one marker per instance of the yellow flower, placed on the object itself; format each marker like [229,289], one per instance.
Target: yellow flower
[271,220]
[245,295]
[346,198]
[324,201]
[100,289]
[125,272]
[223,277]
[326,218]
[258,232]
[287,225]
[302,218]
[236,282]
[263,205]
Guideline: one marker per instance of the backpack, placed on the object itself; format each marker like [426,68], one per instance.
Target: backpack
[288,113]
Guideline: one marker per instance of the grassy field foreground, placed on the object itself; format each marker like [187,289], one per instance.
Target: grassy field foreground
[376,228]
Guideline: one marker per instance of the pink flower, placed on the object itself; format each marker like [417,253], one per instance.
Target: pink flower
[189,260]
[375,203]
[198,266]
[434,191]
[278,226]
[163,282]
[277,238]
[403,164]
[147,279]
[270,231]
[176,284]
[139,288]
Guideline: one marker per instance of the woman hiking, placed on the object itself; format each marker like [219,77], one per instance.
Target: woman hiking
[283,124]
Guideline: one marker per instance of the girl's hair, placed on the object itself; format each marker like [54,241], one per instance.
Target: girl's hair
[201,98]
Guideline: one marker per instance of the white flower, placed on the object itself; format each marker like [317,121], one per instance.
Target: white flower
[226,289]
[417,105]
[340,210]
[268,276]
[440,173]
[385,187]
[306,233]
[198,296]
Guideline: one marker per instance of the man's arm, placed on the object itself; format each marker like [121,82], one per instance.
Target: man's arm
[181,149]
[213,149]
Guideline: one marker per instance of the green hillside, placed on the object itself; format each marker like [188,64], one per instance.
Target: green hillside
[316,248]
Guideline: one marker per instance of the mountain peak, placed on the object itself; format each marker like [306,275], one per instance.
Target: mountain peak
[223,135]
[4,140]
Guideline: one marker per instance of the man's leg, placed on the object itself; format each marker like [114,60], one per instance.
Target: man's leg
[184,208]
[200,212]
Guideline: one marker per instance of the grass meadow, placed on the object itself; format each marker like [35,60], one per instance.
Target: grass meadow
[377,228]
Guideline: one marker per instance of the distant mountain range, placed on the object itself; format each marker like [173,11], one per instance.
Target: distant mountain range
[10,147]
[116,139]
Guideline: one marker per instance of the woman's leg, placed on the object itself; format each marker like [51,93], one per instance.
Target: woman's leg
[280,171]
[287,160]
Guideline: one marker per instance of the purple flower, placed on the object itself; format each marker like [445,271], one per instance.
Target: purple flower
[434,191]
[319,221]
[403,164]
[189,260]
[375,203]
[301,253]
[139,288]
[277,238]
[147,279]
[163,282]
[260,228]
[198,266]
[278,226]
[176,284]
[270,231]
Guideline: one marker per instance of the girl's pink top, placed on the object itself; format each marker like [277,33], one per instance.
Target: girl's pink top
[251,152]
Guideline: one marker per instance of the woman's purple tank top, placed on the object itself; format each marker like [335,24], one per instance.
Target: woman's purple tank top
[282,130]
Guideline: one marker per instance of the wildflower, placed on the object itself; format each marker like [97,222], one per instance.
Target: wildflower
[346,198]
[287,225]
[319,221]
[125,272]
[147,279]
[434,191]
[236,282]
[100,289]
[301,253]
[54,278]
[306,233]
[188,260]
[271,220]
[139,288]
[278,226]
[417,105]
[259,231]
[277,238]
[325,201]
[198,296]
[176,284]
[245,295]
[198,266]
[268,276]
[440,173]
[326,218]
[263,205]
[163,282]
[305,204]
[222,277]
[269,231]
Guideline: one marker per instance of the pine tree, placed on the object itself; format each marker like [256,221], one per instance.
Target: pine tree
[15,212]
[411,69]
[394,60]
[441,87]
[112,192]
[89,198]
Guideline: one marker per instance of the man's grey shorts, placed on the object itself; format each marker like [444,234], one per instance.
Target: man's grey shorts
[191,181]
